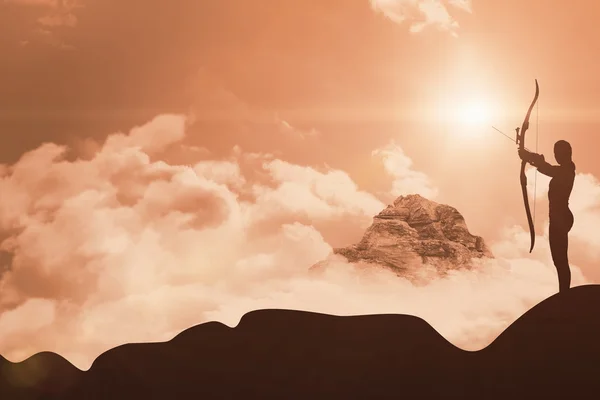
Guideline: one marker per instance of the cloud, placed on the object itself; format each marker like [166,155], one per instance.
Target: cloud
[57,12]
[421,14]
[46,3]
[121,247]
[406,180]
[54,14]
[118,226]
[325,194]
[287,129]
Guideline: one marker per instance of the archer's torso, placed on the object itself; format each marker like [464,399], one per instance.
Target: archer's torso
[561,185]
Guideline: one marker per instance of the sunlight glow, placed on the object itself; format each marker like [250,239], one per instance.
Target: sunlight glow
[469,115]
[476,113]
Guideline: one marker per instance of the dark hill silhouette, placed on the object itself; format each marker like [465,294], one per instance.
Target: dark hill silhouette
[552,351]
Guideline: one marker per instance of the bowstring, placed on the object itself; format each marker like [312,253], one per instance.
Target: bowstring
[537,129]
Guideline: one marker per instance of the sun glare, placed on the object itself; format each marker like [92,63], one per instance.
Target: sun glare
[475,114]
[467,114]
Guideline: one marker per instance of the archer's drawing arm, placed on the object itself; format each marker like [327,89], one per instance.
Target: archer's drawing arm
[538,161]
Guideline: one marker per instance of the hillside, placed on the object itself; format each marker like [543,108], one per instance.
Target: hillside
[553,350]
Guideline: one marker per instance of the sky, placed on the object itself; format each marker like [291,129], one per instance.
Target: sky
[169,163]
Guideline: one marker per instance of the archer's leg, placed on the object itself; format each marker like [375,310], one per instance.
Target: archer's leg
[563,268]
[558,248]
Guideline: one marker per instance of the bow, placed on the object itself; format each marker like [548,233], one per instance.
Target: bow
[521,143]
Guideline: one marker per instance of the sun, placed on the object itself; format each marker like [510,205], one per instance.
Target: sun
[466,113]
[475,113]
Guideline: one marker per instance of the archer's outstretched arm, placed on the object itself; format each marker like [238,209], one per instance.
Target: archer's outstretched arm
[538,161]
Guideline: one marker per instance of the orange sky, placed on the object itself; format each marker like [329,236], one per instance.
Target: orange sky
[273,99]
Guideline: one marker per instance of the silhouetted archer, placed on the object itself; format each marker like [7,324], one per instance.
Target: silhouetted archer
[561,217]
[561,185]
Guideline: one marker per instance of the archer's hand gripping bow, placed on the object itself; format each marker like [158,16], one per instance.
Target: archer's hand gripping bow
[521,144]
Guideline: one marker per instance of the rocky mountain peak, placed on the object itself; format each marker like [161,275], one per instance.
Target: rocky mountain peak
[414,233]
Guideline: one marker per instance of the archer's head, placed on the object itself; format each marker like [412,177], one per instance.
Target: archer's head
[562,152]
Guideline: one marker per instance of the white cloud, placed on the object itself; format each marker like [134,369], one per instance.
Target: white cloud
[406,180]
[420,14]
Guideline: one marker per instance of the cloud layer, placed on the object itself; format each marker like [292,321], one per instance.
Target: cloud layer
[52,15]
[420,14]
[405,179]
[56,12]
[123,247]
